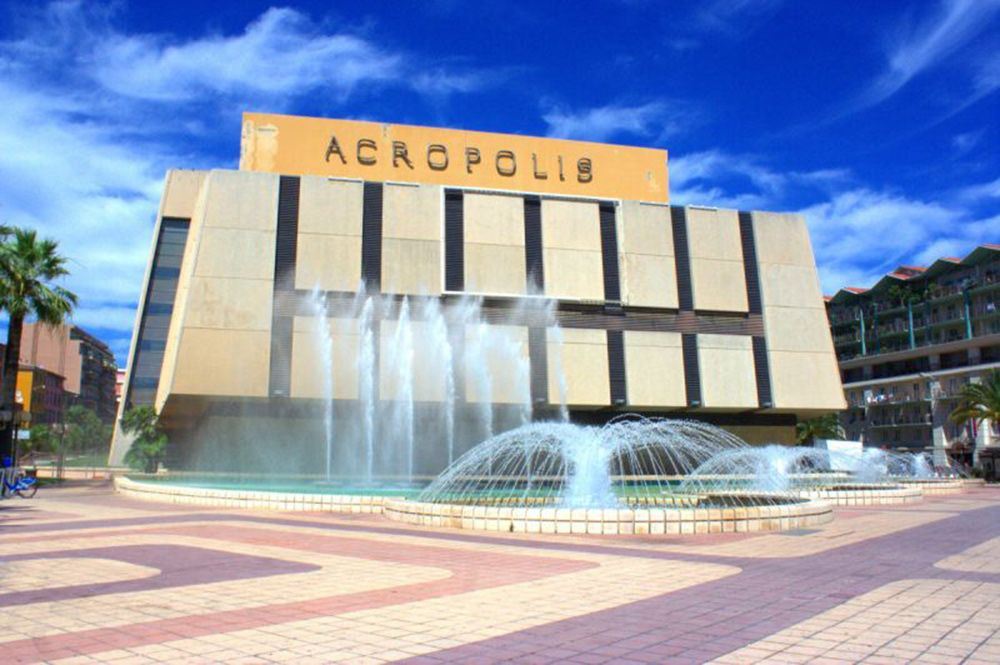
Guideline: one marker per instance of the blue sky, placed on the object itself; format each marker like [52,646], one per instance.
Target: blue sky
[876,120]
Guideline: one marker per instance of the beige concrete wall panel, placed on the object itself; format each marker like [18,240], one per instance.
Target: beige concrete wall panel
[331,262]
[330,207]
[428,379]
[649,281]
[233,363]
[232,304]
[412,212]
[583,359]
[719,285]
[411,266]
[494,219]
[180,194]
[782,238]
[495,269]
[797,329]
[654,369]
[573,274]
[714,234]
[725,365]
[307,379]
[784,285]
[645,229]
[805,381]
[239,253]
[571,225]
[505,349]
[241,200]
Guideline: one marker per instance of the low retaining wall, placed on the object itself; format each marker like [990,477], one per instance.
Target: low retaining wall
[931,487]
[880,496]
[611,521]
[248,499]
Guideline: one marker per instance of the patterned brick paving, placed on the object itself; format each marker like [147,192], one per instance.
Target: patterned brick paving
[87,576]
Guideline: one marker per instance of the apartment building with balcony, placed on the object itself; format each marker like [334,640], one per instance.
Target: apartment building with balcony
[906,347]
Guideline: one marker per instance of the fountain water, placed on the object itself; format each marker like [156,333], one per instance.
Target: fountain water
[323,339]
[430,377]
[630,460]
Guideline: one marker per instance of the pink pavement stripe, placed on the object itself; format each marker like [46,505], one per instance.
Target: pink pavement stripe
[179,565]
[470,570]
[699,623]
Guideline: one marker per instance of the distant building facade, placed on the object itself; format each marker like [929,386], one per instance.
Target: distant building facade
[906,347]
[85,362]
[40,396]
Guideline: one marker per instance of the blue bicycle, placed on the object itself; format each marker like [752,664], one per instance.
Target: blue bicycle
[16,481]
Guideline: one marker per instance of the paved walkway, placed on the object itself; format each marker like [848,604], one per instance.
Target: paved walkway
[88,576]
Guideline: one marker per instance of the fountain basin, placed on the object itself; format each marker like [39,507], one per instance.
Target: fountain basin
[715,517]
[864,495]
[251,499]
[935,485]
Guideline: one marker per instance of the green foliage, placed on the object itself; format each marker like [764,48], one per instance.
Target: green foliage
[823,427]
[84,432]
[27,265]
[150,443]
[979,401]
[41,439]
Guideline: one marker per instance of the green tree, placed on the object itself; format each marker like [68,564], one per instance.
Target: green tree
[823,427]
[150,443]
[41,439]
[979,401]
[85,433]
[28,267]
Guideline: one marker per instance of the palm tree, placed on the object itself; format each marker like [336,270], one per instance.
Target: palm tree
[823,427]
[28,266]
[979,401]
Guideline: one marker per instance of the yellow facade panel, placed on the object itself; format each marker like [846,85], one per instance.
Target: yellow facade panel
[477,160]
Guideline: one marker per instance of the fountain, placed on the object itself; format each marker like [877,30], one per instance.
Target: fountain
[807,472]
[623,477]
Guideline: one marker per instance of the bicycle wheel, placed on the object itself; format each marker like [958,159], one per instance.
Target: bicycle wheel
[28,492]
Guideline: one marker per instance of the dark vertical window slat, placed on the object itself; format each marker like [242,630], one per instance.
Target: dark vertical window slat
[762,369]
[286,239]
[538,357]
[454,240]
[750,268]
[692,372]
[609,254]
[682,258]
[371,236]
[154,322]
[533,244]
[762,373]
[616,366]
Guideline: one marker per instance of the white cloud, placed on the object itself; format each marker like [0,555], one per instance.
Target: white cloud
[94,116]
[930,44]
[280,53]
[733,16]
[602,123]
[859,234]
[718,178]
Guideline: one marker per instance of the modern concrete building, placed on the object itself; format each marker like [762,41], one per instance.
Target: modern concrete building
[610,299]
[908,344]
[85,362]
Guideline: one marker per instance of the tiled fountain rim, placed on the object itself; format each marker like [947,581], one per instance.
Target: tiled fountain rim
[611,521]
[888,494]
[250,499]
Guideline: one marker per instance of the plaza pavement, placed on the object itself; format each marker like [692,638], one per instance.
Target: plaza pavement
[87,576]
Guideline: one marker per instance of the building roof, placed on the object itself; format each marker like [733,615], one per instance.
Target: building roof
[905,273]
